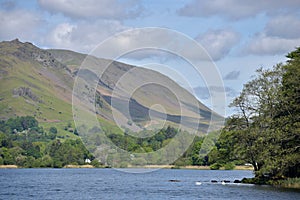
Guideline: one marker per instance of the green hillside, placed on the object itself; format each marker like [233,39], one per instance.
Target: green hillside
[166,92]
[39,83]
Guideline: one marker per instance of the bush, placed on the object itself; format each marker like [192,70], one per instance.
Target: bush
[96,163]
[139,161]
[57,164]
[215,166]
[229,166]
[182,162]
[288,183]
[53,130]
[123,165]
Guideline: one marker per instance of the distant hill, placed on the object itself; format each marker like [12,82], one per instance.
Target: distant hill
[39,83]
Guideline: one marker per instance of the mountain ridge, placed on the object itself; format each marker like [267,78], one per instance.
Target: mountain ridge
[48,77]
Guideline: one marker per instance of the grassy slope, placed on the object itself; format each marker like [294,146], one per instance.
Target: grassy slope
[23,74]
[145,96]
[52,84]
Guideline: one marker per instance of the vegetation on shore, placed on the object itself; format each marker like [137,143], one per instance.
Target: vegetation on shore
[26,144]
[23,142]
[266,130]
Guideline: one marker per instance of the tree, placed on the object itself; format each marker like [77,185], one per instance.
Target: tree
[53,130]
[257,107]
[268,121]
[287,119]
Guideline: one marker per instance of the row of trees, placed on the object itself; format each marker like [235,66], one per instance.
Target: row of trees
[266,129]
[24,143]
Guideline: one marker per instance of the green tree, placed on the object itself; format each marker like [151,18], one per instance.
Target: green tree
[287,121]
[257,106]
[268,123]
[53,130]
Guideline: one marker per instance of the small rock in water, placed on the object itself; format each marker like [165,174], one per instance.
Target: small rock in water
[237,181]
[214,181]
[225,181]
[174,180]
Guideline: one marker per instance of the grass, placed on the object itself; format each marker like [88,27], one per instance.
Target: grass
[293,183]
[29,74]
[288,183]
[54,87]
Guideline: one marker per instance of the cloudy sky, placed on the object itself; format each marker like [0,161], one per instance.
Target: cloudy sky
[240,36]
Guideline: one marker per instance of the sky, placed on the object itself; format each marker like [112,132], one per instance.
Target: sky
[239,36]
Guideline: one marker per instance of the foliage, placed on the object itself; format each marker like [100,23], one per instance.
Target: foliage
[53,130]
[24,143]
[215,166]
[229,166]
[18,124]
[267,126]
[288,183]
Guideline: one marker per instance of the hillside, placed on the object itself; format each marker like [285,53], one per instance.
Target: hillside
[33,83]
[39,83]
[176,101]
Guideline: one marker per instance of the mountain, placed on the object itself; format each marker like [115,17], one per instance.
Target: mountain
[39,83]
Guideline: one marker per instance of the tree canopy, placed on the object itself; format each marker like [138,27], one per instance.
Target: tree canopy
[267,124]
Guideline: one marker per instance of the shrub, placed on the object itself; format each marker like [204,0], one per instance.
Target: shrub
[229,166]
[215,166]
[95,163]
[123,165]
[53,130]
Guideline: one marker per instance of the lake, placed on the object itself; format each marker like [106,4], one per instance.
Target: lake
[114,184]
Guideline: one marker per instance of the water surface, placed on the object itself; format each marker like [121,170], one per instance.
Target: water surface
[114,184]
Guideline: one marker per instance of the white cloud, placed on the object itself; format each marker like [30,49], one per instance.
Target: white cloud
[218,43]
[157,39]
[263,44]
[82,36]
[19,24]
[107,9]
[280,35]
[236,9]
[61,35]
[286,26]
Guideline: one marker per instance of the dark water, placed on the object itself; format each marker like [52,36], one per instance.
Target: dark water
[113,184]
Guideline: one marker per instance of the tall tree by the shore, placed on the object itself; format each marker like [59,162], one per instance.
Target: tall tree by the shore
[268,123]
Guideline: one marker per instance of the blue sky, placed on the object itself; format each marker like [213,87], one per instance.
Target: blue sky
[240,36]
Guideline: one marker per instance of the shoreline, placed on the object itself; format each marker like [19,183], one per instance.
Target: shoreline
[79,166]
[87,166]
[289,183]
[8,167]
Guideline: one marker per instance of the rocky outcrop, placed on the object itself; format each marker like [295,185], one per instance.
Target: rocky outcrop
[26,92]
[27,50]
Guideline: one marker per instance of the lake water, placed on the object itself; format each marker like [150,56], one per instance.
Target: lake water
[114,184]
